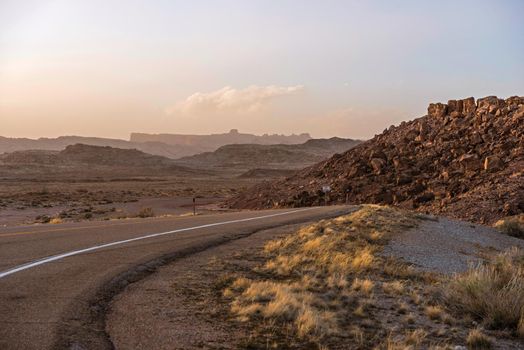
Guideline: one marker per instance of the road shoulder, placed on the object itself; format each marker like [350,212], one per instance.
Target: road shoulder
[180,303]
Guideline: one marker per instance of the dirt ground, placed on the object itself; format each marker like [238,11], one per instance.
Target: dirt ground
[34,201]
[179,306]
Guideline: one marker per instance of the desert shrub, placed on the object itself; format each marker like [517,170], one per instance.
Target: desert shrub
[146,213]
[512,225]
[492,292]
[43,219]
[478,341]
[434,312]
[55,221]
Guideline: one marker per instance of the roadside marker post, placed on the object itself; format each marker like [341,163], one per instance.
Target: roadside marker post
[326,189]
[194,206]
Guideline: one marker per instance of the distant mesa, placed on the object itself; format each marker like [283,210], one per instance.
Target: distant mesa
[277,156]
[89,160]
[167,145]
[464,159]
[207,143]
[60,143]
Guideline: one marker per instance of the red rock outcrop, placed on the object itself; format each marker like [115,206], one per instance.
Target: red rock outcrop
[463,159]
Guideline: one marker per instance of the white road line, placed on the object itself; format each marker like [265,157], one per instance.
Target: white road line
[49,259]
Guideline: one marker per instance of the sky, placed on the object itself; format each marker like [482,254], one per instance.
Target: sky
[331,68]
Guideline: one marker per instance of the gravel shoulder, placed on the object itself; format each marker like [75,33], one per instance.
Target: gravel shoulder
[170,309]
[448,246]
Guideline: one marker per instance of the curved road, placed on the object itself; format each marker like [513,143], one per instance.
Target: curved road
[56,281]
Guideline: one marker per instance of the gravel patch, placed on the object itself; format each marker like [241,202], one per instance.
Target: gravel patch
[448,246]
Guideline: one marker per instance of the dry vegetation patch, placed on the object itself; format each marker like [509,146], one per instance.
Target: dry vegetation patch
[512,225]
[328,285]
[492,292]
[329,281]
[478,341]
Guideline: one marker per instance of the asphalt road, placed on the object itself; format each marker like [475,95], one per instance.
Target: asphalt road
[56,281]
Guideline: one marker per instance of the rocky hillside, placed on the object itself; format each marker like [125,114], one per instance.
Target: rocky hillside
[281,156]
[463,159]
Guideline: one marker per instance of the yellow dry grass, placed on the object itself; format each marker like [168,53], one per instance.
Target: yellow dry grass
[478,341]
[365,286]
[512,225]
[393,287]
[492,292]
[315,269]
[55,221]
[434,312]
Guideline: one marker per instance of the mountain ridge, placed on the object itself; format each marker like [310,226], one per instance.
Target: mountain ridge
[282,156]
[186,145]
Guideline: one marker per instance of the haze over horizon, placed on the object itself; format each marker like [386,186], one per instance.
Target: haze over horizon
[350,69]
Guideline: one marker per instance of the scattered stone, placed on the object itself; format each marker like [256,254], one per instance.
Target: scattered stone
[493,163]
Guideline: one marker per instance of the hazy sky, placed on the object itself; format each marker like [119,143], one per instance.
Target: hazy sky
[331,68]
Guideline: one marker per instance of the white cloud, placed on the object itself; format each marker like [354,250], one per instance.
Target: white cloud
[228,99]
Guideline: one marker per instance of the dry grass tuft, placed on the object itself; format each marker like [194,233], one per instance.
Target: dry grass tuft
[410,319]
[394,287]
[365,286]
[512,225]
[478,341]
[286,303]
[520,327]
[434,312]
[402,308]
[492,292]
[411,340]
[415,337]
[55,221]
[145,213]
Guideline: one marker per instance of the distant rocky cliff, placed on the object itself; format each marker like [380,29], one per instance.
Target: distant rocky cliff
[8,144]
[464,159]
[166,145]
[279,156]
[212,142]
